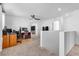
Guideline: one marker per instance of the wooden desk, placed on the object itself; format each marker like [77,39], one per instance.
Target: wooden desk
[9,40]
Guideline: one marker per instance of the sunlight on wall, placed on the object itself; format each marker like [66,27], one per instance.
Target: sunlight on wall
[3,20]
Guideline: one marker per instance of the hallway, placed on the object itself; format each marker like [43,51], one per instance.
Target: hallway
[29,47]
[74,51]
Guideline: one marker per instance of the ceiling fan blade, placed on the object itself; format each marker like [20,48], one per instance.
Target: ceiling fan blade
[2,7]
[37,19]
[33,16]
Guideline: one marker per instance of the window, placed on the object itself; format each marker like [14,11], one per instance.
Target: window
[56,25]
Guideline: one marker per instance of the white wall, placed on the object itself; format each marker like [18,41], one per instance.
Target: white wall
[50,41]
[69,41]
[36,24]
[47,22]
[61,44]
[66,42]
[71,23]
[15,22]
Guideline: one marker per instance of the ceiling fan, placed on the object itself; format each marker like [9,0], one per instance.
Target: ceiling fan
[34,17]
[2,6]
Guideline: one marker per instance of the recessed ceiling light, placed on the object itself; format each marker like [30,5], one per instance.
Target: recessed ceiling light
[59,9]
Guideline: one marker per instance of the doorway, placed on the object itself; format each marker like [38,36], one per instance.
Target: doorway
[33,29]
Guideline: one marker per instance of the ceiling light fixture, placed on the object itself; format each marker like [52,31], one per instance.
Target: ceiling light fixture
[34,17]
[59,9]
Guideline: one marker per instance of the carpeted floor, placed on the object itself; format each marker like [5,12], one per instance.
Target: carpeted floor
[29,47]
[74,51]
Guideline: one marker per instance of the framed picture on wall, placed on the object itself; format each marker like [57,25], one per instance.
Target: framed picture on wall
[45,28]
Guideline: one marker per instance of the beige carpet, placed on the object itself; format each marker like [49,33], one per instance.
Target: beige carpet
[29,47]
[74,51]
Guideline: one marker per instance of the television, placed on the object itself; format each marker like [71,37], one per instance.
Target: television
[32,28]
[24,29]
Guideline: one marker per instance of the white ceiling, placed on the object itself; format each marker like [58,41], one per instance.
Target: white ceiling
[43,10]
